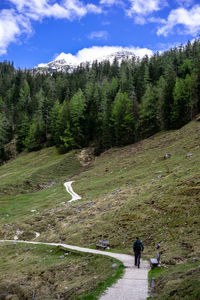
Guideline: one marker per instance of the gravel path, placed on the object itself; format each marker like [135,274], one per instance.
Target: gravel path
[132,286]
[69,189]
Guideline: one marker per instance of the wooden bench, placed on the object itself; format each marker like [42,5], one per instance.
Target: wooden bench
[102,244]
[155,261]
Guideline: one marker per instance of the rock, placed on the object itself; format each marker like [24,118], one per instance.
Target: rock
[33,210]
[114,266]
[117,191]
[198,119]
[167,155]
[26,249]
[50,184]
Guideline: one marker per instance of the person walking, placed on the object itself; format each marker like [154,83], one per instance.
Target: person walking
[138,247]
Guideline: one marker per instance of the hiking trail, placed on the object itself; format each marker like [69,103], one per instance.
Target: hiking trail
[69,189]
[134,283]
[132,286]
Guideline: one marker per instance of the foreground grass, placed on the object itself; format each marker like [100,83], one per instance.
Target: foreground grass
[46,272]
[125,192]
[177,282]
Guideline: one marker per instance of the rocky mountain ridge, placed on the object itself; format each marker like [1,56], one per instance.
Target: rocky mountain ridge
[67,63]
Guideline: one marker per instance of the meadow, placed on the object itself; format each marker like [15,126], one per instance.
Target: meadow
[126,192]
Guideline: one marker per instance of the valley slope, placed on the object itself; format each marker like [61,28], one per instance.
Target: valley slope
[125,192]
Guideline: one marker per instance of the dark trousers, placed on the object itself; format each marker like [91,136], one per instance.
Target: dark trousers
[137,258]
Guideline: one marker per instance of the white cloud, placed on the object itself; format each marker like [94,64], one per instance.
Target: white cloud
[15,22]
[98,35]
[189,19]
[95,53]
[11,26]
[144,7]
[109,2]
[156,20]
[185,3]
[141,20]
[68,9]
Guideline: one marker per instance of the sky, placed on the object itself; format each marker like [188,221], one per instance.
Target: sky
[37,31]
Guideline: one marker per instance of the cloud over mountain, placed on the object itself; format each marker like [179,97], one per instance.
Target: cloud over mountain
[96,53]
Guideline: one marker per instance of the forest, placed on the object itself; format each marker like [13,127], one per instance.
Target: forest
[102,105]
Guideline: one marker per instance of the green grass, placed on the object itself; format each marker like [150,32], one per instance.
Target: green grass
[177,282]
[34,171]
[158,198]
[48,273]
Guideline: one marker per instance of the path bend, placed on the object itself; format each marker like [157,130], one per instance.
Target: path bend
[132,286]
[69,189]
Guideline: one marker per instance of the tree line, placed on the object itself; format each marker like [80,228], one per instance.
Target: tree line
[103,105]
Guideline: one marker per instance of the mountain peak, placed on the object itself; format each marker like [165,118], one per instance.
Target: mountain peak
[68,62]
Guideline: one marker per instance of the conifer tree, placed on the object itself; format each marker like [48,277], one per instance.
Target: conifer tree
[149,123]
[122,121]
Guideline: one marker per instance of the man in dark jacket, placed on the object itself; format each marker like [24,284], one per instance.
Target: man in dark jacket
[138,247]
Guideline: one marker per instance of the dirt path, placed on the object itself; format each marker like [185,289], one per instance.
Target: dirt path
[132,286]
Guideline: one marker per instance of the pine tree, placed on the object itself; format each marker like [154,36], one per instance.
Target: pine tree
[36,134]
[122,121]
[22,133]
[76,112]
[149,123]
[167,102]
[184,101]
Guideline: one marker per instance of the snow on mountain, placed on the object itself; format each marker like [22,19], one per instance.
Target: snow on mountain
[67,62]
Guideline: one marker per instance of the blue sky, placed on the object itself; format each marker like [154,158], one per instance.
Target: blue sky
[36,31]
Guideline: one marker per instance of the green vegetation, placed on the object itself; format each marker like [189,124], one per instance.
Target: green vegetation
[105,104]
[37,170]
[177,282]
[125,192]
[46,272]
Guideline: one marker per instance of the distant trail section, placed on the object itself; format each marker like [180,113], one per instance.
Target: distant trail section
[69,189]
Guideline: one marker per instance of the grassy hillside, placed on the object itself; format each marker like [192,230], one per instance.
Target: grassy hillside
[46,272]
[125,192]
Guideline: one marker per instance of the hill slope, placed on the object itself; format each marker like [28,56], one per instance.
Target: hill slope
[125,192]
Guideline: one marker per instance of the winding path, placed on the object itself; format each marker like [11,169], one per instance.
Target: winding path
[69,189]
[134,283]
[132,286]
